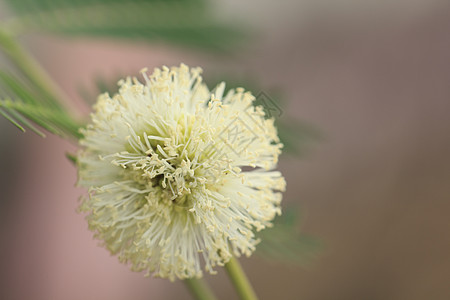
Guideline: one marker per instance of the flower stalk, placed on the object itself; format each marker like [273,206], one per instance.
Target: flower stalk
[199,289]
[240,280]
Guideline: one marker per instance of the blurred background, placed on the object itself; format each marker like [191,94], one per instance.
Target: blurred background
[372,76]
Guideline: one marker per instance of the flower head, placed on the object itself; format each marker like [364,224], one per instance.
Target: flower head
[179,177]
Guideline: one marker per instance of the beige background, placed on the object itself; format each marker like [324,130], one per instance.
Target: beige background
[372,75]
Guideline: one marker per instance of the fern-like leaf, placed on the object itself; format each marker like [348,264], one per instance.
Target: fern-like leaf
[23,115]
[284,242]
[187,22]
[26,106]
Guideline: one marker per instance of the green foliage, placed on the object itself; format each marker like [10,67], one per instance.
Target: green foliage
[25,106]
[26,98]
[30,108]
[14,87]
[297,136]
[25,115]
[72,158]
[102,85]
[186,22]
[284,242]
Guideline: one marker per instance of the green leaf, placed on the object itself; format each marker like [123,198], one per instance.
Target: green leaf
[285,243]
[54,121]
[72,158]
[25,105]
[9,118]
[24,90]
[297,136]
[25,122]
[102,85]
[12,86]
[188,22]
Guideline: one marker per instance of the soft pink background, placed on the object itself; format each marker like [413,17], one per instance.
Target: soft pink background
[373,77]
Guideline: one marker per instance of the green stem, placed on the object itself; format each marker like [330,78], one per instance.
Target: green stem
[199,289]
[240,280]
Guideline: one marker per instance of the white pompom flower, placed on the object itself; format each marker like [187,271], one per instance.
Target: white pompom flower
[179,177]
